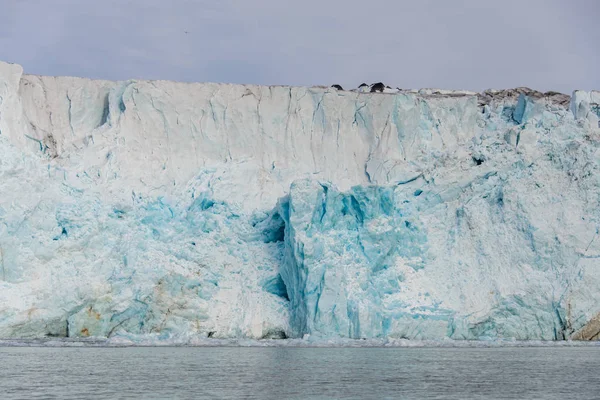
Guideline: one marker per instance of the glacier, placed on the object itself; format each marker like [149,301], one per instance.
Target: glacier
[164,209]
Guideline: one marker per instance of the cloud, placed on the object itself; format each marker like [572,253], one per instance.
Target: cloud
[544,44]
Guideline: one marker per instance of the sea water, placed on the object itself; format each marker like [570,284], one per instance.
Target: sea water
[298,373]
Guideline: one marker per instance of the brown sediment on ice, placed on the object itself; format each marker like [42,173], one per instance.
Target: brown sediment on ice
[591,331]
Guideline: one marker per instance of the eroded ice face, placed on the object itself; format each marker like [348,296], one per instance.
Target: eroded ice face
[162,208]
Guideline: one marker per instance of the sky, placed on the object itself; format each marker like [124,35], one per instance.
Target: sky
[449,44]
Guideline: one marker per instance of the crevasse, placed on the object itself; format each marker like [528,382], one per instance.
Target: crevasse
[232,211]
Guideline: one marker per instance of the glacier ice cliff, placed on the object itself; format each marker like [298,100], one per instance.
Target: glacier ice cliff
[240,211]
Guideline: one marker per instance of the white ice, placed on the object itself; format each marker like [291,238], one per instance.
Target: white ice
[237,211]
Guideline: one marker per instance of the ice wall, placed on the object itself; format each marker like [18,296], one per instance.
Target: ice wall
[245,211]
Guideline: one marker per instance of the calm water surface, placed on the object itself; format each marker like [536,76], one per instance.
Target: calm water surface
[299,373]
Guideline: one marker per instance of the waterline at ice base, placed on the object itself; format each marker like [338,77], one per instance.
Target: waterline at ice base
[160,210]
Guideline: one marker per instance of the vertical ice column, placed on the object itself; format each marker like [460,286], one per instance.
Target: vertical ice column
[10,102]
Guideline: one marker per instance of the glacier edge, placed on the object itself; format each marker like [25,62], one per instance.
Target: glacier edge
[233,211]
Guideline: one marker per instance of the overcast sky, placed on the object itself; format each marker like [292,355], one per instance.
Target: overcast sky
[543,44]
